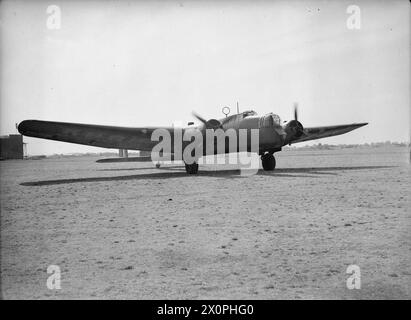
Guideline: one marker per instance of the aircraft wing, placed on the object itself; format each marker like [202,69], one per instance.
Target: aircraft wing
[328,131]
[92,135]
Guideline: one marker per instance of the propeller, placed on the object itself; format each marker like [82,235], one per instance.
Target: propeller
[209,124]
[294,128]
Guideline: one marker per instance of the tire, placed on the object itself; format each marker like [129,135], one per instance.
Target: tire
[268,162]
[192,168]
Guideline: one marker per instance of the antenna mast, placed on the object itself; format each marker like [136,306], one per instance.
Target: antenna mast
[238,109]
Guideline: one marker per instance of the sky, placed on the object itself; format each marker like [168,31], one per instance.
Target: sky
[141,63]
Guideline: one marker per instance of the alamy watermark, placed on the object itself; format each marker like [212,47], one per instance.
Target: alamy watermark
[53,21]
[354,280]
[54,280]
[354,18]
[190,144]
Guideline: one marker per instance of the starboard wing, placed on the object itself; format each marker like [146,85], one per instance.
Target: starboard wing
[327,131]
[92,135]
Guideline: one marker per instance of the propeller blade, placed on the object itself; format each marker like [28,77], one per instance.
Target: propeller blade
[296,111]
[198,117]
[210,124]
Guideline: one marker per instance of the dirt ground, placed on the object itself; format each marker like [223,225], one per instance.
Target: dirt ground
[130,231]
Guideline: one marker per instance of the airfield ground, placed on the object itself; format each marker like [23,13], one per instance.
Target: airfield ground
[128,230]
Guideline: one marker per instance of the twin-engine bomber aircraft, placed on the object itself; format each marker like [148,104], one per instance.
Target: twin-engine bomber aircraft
[272,134]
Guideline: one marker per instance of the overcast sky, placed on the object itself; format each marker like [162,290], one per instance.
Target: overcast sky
[143,63]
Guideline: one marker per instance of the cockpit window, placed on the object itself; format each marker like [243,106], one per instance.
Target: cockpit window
[277,119]
[249,113]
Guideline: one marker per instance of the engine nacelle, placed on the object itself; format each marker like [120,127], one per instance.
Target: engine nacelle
[294,129]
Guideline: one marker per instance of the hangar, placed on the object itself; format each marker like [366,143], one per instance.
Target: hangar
[12,147]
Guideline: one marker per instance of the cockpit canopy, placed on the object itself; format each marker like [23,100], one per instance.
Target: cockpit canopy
[270,120]
[249,113]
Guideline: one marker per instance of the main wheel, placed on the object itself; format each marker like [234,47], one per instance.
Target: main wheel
[192,168]
[268,162]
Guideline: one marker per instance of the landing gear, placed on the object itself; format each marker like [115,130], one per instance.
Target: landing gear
[158,165]
[192,168]
[268,161]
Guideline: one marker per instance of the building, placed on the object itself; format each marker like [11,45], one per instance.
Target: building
[12,147]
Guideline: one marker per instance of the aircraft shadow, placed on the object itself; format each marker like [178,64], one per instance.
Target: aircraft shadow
[314,172]
[137,169]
